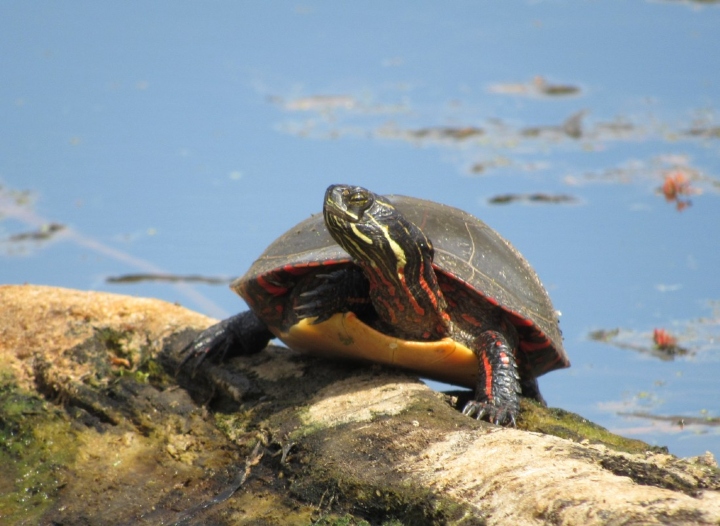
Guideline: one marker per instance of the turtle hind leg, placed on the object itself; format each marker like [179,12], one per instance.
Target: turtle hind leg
[238,335]
[498,385]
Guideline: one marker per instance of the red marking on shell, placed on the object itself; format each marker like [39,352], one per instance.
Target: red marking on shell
[531,346]
[294,270]
[533,340]
[519,321]
[274,290]
[491,300]
[299,269]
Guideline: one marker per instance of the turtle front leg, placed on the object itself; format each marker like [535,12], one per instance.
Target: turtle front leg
[238,335]
[327,293]
[498,384]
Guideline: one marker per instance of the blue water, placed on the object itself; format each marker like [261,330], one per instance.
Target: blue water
[182,138]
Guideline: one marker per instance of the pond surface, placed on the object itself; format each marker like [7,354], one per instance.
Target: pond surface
[181,139]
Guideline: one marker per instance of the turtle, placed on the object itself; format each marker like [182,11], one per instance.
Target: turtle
[406,282]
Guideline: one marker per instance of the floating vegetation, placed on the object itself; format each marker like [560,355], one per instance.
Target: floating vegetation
[43,233]
[679,420]
[537,87]
[571,127]
[168,278]
[688,338]
[440,132]
[538,197]
[666,350]
[711,132]
[320,103]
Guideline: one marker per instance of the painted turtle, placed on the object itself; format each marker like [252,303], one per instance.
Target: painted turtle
[406,282]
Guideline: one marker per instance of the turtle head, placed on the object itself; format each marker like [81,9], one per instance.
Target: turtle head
[395,255]
[371,229]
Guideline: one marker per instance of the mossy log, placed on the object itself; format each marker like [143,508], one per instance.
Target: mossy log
[96,427]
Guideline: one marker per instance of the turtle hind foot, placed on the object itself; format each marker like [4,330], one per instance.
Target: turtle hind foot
[503,415]
[238,335]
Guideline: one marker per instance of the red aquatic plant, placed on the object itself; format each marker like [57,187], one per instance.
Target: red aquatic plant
[677,184]
[663,339]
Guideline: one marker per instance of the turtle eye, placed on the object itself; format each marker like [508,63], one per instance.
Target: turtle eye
[358,199]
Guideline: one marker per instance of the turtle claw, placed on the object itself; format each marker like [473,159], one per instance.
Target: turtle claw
[311,305]
[211,344]
[502,415]
[241,334]
[332,292]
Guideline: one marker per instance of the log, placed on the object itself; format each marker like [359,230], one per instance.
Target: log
[99,426]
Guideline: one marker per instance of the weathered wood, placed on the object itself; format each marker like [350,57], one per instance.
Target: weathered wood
[95,429]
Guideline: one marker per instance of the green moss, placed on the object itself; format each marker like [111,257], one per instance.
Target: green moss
[118,343]
[309,425]
[36,443]
[235,427]
[394,503]
[350,520]
[564,424]
[156,374]
[344,520]
[113,339]
[139,362]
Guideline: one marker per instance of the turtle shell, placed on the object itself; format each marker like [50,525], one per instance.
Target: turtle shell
[467,251]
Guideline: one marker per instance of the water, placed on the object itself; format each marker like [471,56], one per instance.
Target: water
[182,139]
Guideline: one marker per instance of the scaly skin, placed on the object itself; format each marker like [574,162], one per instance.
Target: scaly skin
[238,335]
[498,384]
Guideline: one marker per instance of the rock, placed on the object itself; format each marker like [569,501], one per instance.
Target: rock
[96,428]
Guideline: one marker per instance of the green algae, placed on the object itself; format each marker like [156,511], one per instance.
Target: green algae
[564,424]
[394,502]
[37,443]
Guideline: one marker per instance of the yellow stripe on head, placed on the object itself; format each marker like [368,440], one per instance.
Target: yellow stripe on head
[400,257]
[360,235]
